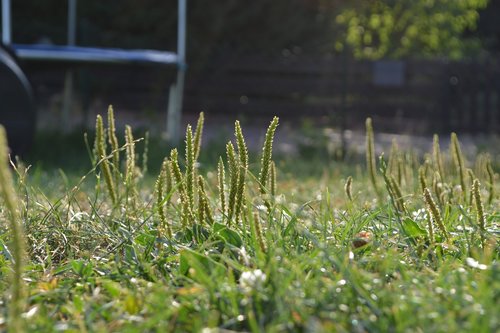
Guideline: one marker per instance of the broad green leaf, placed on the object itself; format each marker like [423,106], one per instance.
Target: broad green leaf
[412,229]
[228,235]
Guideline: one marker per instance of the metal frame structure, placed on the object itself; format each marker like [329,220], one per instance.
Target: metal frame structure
[78,54]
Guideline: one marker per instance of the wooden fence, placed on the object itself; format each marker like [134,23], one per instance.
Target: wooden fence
[410,96]
[415,96]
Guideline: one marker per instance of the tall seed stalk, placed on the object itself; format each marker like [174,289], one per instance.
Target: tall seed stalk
[198,134]
[113,142]
[434,213]
[272,179]
[398,194]
[392,187]
[471,177]
[145,154]
[348,188]
[491,180]
[267,151]
[438,188]
[258,232]
[401,170]
[130,157]
[436,156]
[204,211]
[233,181]
[481,219]
[162,183]
[100,149]
[370,155]
[421,178]
[243,166]
[190,165]
[15,322]
[458,159]
[181,188]
[393,161]
[222,185]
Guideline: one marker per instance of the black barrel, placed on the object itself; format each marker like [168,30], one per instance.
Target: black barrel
[17,107]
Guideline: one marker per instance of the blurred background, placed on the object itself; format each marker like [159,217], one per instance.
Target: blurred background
[415,67]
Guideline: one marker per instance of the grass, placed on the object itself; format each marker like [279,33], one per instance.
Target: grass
[253,243]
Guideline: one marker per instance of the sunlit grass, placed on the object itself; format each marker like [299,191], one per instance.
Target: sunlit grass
[315,256]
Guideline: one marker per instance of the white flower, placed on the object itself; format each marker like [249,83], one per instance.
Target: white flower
[419,215]
[252,280]
[244,257]
[475,264]
[262,208]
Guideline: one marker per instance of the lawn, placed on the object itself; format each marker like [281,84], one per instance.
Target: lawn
[249,241]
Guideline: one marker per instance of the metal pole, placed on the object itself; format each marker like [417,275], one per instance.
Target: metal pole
[71,22]
[175,109]
[68,80]
[181,32]
[6,25]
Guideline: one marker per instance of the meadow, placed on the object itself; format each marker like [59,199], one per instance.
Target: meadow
[250,242]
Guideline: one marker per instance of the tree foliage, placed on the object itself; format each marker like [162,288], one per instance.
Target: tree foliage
[399,28]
